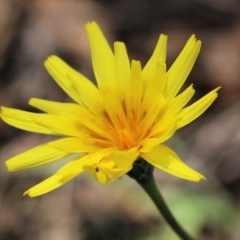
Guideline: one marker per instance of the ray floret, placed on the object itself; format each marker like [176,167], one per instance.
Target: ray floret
[128,115]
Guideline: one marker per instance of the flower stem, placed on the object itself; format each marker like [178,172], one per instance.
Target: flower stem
[149,185]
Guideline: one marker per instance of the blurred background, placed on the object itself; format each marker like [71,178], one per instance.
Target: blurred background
[83,209]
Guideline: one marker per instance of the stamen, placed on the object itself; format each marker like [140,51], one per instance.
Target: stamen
[134,126]
[124,107]
[103,143]
[108,126]
[122,141]
[115,136]
[106,115]
[147,133]
[120,121]
[111,130]
[129,142]
[144,114]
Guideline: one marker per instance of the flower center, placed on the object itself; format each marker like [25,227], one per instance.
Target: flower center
[124,137]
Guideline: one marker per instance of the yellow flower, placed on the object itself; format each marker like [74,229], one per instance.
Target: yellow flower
[129,114]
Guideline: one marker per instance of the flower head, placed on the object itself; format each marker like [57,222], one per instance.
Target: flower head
[129,114]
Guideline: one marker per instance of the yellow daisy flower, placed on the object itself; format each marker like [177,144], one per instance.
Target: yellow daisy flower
[129,114]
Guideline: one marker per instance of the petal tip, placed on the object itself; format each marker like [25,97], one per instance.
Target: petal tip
[218,88]
[51,58]
[29,194]
[92,24]
[9,166]
[201,177]
[26,193]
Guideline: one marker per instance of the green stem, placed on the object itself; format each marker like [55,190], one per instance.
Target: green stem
[150,187]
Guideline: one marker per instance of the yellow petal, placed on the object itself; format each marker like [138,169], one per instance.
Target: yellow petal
[106,172]
[155,84]
[136,86]
[74,145]
[97,173]
[61,125]
[163,125]
[62,176]
[124,159]
[180,101]
[101,154]
[148,144]
[87,119]
[35,157]
[122,70]
[45,186]
[58,70]
[102,56]
[190,113]
[54,108]
[90,170]
[101,177]
[114,108]
[74,167]
[158,56]
[75,84]
[88,92]
[167,160]
[182,66]
[109,164]
[151,116]
[23,120]
[165,134]
[115,173]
